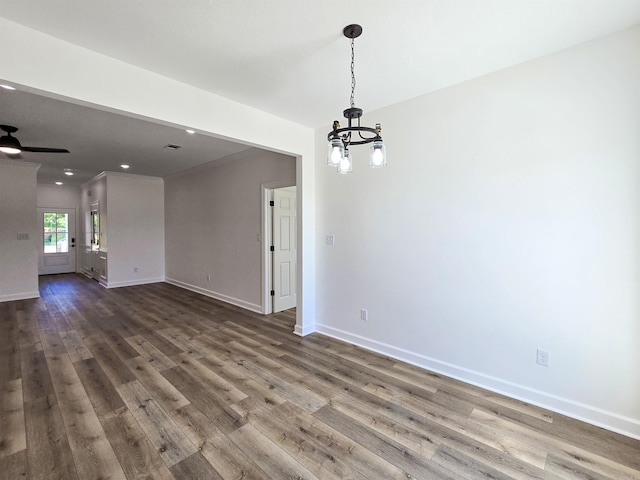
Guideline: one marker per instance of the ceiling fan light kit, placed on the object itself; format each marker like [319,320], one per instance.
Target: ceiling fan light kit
[341,138]
[9,145]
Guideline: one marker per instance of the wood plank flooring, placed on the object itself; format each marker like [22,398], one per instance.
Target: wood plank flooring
[156,382]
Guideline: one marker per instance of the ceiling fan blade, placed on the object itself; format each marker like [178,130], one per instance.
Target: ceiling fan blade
[44,150]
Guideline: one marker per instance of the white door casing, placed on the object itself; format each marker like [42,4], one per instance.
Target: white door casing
[57,251]
[284,254]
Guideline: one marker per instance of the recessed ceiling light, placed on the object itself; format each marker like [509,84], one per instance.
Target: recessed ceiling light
[125,166]
[7,87]
[58,183]
[188,130]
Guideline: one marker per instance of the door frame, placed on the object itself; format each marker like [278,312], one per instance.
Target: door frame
[266,194]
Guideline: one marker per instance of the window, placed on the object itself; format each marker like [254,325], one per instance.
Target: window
[56,233]
[95,230]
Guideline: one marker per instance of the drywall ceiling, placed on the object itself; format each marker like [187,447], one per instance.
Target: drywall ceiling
[289,57]
[100,140]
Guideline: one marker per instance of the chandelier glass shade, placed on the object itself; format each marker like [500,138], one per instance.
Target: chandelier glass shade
[346,163]
[341,138]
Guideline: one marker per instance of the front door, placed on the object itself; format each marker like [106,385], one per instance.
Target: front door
[57,240]
[284,254]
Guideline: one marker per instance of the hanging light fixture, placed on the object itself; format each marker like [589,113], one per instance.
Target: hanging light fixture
[341,139]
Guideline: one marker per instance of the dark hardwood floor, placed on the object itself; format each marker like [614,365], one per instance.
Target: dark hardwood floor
[156,382]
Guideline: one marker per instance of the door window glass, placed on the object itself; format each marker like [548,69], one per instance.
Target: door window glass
[56,233]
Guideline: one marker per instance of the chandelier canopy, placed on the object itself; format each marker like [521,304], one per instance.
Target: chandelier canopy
[341,138]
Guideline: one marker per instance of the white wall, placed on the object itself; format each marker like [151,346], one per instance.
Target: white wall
[213,219]
[58,197]
[508,219]
[135,206]
[18,258]
[82,76]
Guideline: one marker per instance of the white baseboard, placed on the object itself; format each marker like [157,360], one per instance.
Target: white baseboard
[580,411]
[303,330]
[254,307]
[131,283]
[19,296]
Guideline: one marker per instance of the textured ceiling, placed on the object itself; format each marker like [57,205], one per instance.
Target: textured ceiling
[289,58]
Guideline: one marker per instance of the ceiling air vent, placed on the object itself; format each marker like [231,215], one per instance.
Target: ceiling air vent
[173,146]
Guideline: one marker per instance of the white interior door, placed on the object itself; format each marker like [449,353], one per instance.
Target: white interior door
[284,251]
[57,240]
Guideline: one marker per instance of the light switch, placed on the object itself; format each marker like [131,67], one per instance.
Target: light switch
[23,236]
[330,240]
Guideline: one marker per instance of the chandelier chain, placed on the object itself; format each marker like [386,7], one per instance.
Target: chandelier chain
[353,75]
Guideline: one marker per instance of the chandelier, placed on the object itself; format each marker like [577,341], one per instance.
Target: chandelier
[341,139]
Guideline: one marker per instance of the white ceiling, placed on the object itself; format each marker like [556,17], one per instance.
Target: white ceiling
[289,57]
[101,141]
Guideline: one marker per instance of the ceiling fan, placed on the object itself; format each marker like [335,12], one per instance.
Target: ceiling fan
[11,146]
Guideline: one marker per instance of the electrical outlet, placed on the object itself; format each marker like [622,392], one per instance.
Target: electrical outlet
[543,358]
[330,240]
[364,314]
[135,269]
